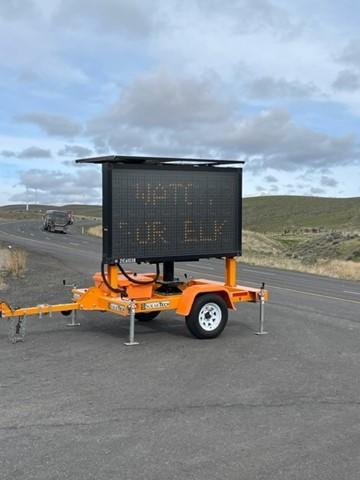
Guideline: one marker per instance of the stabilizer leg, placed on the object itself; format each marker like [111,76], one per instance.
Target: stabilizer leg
[17,329]
[132,307]
[261,317]
[73,323]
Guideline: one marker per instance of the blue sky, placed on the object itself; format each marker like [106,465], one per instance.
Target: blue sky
[274,83]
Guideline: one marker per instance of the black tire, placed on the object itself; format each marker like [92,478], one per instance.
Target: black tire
[146,317]
[66,313]
[205,324]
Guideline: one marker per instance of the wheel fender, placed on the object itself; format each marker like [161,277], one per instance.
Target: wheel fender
[189,295]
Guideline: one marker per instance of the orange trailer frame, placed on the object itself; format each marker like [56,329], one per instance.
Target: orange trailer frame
[135,299]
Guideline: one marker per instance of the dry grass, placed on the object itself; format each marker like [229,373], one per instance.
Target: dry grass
[330,268]
[4,259]
[4,263]
[12,262]
[18,262]
[95,231]
[265,251]
[255,243]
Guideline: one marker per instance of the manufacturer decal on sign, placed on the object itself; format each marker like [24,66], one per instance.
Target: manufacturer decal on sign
[126,260]
[117,307]
[152,305]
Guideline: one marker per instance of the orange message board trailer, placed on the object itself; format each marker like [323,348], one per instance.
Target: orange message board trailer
[161,211]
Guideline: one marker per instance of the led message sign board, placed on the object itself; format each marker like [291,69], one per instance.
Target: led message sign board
[170,212]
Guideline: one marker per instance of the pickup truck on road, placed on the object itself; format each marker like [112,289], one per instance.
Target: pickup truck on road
[57,221]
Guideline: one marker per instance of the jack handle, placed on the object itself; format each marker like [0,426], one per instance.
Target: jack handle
[69,285]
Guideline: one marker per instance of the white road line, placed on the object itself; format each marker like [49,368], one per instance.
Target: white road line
[15,238]
[354,293]
[195,267]
[217,277]
[204,267]
[315,294]
[75,244]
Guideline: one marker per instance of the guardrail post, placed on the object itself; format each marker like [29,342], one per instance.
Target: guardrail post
[261,330]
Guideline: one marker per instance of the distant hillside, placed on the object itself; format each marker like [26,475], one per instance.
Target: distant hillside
[36,211]
[277,213]
[333,254]
[261,214]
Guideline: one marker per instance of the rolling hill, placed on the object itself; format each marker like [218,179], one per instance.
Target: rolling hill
[36,211]
[279,213]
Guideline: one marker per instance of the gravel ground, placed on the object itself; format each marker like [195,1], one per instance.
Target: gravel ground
[42,282]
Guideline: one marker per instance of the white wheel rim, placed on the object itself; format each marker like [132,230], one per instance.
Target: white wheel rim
[210,317]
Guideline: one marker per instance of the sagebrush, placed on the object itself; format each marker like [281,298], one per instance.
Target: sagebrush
[13,262]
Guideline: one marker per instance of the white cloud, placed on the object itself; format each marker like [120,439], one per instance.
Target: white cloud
[35,152]
[351,53]
[17,10]
[57,187]
[32,50]
[327,181]
[27,153]
[165,100]
[271,179]
[268,87]
[252,15]
[7,153]
[58,125]
[164,113]
[347,80]
[279,143]
[134,17]
[317,191]
[75,151]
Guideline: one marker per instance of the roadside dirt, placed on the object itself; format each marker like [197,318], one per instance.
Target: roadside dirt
[42,282]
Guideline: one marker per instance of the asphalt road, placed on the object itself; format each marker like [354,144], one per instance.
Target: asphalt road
[79,404]
[84,252]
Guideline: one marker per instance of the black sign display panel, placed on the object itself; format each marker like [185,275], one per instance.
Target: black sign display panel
[158,213]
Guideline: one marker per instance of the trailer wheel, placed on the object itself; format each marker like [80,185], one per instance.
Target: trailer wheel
[146,316]
[208,316]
